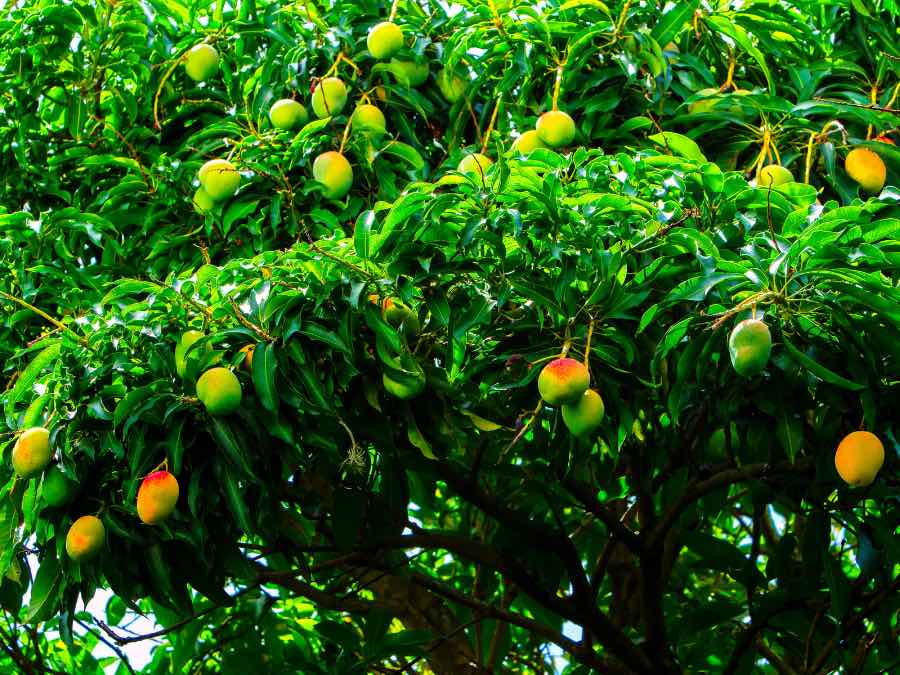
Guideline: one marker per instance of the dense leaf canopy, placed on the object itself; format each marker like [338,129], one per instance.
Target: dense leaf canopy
[330,525]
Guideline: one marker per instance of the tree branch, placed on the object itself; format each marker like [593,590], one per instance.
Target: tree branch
[720,480]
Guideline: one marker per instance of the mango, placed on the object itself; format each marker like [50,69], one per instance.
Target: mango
[563,381]
[556,128]
[333,171]
[201,62]
[749,346]
[157,497]
[384,40]
[32,452]
[85,538]
[220,391]
[859,458]
[329,97]
[585,415]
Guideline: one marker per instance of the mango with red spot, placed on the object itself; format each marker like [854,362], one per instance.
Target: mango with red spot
[563,381]
[157,497]
[85,538]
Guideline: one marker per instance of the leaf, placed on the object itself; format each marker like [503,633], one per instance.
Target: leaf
[263,371]
[481,423]
[27,378]
[132,400]
[673,21]
[130,287]
[332,339]
[405,152]
[680,145]
[46,589]
[821,371]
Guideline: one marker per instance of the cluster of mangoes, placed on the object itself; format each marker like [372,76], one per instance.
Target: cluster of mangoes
[31,456]
[219,178]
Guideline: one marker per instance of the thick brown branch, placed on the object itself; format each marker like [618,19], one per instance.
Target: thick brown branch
[720,480]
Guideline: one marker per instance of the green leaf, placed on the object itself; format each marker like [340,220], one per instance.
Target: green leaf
[28,377]
[46,589]
[264,366]
[821,371]
[680,145]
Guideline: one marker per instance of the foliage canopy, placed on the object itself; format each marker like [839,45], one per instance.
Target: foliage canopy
[390,492]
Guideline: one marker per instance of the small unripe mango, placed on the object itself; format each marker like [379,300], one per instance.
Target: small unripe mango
[556,128]
[32,452]
[528,141]
[329,97]
[475,163]
[773,175]
[187,339]
[219,178]
[201,62]
[220,391]
[369,120]
[859,458]
[409,73]
[749,346]
[452,86]
[287,114]
[56,488]
[866,168]
[333,171]
[85,538]
[157,497]
[384,40]
[202,201]
[563,381]
[585,415]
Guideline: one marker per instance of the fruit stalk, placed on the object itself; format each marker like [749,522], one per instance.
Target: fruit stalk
[12,298]
[393,14]
[487,134]
[249,324]
[556,85]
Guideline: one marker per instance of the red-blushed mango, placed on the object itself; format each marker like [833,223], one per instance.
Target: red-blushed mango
[556,128]
[329,97]
[866,168]
[528,142]
[400,316]
[773,175]
[475,163]
[32,452]
[384,40]
[85,538]
[157,497]
[287,114]
[585,415]
[859,457]
[749,346]
[220,391]
[201,62]
[247,351]
[333,171]
[368,119]
[563,381]
[220,179]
